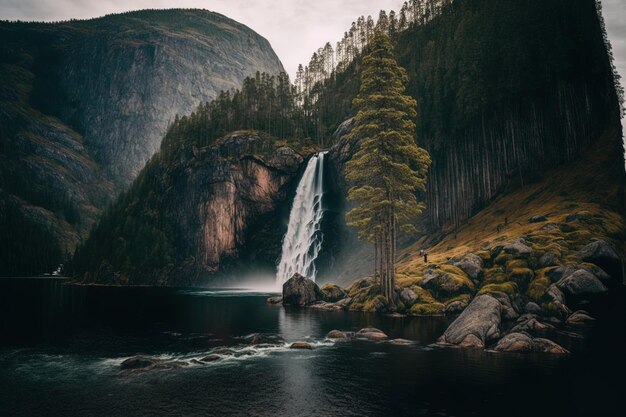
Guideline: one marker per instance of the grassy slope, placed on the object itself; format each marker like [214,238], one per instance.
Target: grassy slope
[591,185]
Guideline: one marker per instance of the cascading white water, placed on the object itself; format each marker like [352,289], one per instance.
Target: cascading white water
[303,239]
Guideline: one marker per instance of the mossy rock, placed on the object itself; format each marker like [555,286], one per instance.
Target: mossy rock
[509,288]
[495,275]
[361,297]
[376,304]
[538,287]
[423,295]
[333,293]
[516,263]
[359,285]
[428,309]
[503,258]
[485,255]
[445,280]
[461,297]
[521,276]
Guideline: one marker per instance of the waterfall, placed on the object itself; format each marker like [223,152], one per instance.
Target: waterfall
[303,239]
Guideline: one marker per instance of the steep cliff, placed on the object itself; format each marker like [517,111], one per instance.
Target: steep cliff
[193,212]
[86,103]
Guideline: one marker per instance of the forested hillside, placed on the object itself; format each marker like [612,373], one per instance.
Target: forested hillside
[505,90]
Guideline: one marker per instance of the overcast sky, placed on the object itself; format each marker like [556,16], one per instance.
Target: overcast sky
[295,28]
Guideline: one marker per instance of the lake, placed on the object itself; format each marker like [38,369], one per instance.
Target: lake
[61,347]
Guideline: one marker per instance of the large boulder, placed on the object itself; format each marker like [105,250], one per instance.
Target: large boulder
[447,280]
[602,254]
[517,247]
[581,283]
[301,291]
[471,264]
[478,324]
[333,293]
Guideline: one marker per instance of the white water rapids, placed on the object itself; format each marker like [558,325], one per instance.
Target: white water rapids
[303,239]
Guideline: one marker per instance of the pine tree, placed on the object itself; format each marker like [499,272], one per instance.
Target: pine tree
[389,168]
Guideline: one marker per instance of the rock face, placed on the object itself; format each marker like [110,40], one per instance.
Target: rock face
[86,103]
[301,291]
[478,324]
[218,208]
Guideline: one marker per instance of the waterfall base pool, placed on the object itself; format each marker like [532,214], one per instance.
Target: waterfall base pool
[61,347]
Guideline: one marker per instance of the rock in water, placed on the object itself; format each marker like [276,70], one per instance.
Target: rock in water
[548,346]
[515,342]
[336,334]
[579,318]
[372,333]
[275,300]
[301,291]
[301,345]
[478,324]
[138,362]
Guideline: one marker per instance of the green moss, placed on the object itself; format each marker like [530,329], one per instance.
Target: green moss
[451,269]
[520,275]
[503,258]
[509,288]
[538,287]
[461,297]
[516,263]
[375,304]
[427,309]
[423,296]
[494,275]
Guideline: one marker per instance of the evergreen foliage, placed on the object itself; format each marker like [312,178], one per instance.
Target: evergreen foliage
[389,168]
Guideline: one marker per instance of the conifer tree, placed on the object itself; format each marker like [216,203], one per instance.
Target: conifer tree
[389,168]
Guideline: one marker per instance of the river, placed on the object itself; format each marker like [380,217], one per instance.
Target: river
[61,347]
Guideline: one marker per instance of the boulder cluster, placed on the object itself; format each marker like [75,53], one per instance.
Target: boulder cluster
[509,298]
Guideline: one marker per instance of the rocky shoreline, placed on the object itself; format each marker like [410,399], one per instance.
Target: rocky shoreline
[541,296]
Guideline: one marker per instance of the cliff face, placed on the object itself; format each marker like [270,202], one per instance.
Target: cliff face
[197,212]
[86,103]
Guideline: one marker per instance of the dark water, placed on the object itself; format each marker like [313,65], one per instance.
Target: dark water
[61,346]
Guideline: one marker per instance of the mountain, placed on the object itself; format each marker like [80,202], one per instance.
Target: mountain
[85,104]
[510,95]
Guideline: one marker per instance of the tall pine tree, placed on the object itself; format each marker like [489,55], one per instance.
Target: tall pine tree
[389,168]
